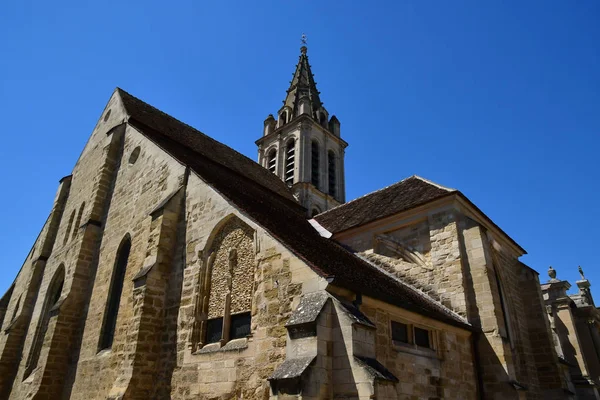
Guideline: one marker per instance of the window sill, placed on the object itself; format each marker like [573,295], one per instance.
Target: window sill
[416,350]
[104,352]
[232,345]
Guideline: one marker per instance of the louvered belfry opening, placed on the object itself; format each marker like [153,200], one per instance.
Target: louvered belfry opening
[290,158]
[315,163]
[332,172]
[272,160]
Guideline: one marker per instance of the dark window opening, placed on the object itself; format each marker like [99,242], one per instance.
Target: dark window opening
[332,172]
[315,212]
[214,330]
[506,316]
[78,220]
[422,337]
[315,164]
[114,300]
[399,332]
[71,218]
[283,117]
[52,296]
[240,326]
[16,310]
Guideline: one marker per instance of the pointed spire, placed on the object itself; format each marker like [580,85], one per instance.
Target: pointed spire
[302,95]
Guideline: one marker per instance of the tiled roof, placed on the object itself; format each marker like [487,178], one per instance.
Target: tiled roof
[404,195]
[195,140]
[283,219]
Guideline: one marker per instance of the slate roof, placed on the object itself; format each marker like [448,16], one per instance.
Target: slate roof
[198,142]
[246,186]
[308,309]
[376,369]
[409,193]
[292,368]
[404,195]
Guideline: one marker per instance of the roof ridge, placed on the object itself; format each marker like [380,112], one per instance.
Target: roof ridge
[138,111]
[187,125]
[415,290]
[434,184]
[368,194]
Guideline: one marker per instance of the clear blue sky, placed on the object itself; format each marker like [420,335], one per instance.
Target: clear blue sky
[498,99]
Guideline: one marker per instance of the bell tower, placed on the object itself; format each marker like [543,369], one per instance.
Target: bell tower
[303,146]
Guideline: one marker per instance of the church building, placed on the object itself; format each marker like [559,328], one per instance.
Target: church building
[173,267]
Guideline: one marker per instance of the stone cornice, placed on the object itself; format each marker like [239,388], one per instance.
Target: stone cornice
[296,123]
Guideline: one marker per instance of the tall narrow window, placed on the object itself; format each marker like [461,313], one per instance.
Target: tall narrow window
[16,310]
[69,227]
[290,155]
[283,118]
[332,172]
[52,297]
[503,305]
[78,220]
[114,296]
[272,160]
[315,163]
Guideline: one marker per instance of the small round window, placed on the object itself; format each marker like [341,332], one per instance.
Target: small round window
[107,115]
[134,155]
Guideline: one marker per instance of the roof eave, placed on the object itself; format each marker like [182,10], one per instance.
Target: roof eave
[488,223]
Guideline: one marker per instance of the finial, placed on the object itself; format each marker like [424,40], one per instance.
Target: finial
[581,273]
[303,42]
[552,273]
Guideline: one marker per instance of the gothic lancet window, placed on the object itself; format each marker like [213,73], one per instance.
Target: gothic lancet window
[71,218]
[331,172]
[290,162]
[314,156]
[52,297]
[225,286]
[283,118]
[16,310]
[107,333]
[507,322]
[272,160]
[78,221]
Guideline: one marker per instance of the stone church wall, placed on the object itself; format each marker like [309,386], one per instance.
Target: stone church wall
[239,368]
[468,271]
[138,189]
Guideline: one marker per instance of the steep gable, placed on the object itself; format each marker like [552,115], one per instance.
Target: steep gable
[143,115]
[284,219]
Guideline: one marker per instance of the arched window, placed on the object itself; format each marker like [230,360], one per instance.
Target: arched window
[107,333]
[508,334]
[78,220]
[323,119]
[332,172]
[290,155]
[272,160]
[283,118]
[314,155]
[69,228]
[16,310]
[223,308]
[52,297]
[315,211]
